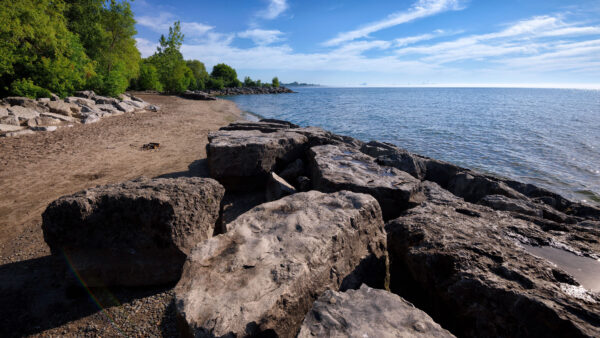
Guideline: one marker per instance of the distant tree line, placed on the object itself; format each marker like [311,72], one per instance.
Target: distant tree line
[62,46]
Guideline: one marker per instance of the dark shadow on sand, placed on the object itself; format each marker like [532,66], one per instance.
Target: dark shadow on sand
[39,294]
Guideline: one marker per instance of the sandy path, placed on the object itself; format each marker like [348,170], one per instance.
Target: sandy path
[36,169]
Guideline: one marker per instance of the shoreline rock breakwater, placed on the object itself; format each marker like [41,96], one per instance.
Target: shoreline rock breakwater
[445,247]
[210,94]
[24,116]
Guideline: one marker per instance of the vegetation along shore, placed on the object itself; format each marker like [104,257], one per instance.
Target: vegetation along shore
[177,217]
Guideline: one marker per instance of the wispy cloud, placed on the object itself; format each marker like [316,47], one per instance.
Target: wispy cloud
[409,40]
[522,38]
[146,47]
[421,9]
[164,20]
[275,9]
[262,36]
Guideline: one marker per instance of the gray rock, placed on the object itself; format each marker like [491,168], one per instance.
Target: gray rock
[265,127]
[136,104]
[367,312]
[243,159]
[19,133]
[124,107]
[197,95]
[263,275]
[9,127]
[89,119]
[80,101]
[44,128]
[473,187]
[106,100]
[10,120]
[63,108]
[463,264]
[43,100]
[3,111]
[60,117]
[88,94]
[317,136]
[107,108]
[133,233]
[23,113]
[54,97]
[153,108]
[137,99]
[43,121]
[392,156]
[335,168]
[277,188]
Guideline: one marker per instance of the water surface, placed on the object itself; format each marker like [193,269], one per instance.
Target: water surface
[548,137]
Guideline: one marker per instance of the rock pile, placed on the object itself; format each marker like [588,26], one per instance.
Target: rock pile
[457,243]
[209,94]
[21,115]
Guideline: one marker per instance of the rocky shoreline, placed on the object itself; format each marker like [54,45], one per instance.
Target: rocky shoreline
[210,94]
[302,232]
[24,116]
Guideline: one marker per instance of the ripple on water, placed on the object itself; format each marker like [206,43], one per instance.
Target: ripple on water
[547,137]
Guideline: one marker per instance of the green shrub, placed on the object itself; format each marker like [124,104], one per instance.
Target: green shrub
[149,79]
[275,82]
[216,84]
[248,82]
[26,87]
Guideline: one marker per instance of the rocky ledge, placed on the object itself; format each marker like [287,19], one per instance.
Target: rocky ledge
[23,116]
[210,94]
[443,250]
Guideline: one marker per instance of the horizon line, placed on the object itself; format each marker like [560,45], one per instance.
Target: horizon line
[477,85]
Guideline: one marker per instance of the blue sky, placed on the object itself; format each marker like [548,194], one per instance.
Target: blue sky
[388,43]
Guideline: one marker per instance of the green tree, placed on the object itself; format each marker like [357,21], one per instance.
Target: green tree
[275,82]
[227,74]
[149,79]
[216,84]
[200,74]
[173,72]
[248,82]
[36,45]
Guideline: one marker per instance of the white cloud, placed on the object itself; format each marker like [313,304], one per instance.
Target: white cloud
[146,47]
[164,20]
[262,36]
[275,8]
[421,9]
[522,38]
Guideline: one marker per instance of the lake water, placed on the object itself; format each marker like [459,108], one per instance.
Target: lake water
[548,137]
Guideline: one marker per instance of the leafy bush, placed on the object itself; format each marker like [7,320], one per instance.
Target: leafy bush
[200,74]
[148,79]
[26,87]
[248,82]
[227,74]
[216,84]
[275,82]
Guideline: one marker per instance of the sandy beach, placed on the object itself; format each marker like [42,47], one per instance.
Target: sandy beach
[38,169]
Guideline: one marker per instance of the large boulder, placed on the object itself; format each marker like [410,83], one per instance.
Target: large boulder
[133,233]
[60,117]
[392,156]
[63,108]
[106,100]
[265,127]
[5,128]
[367,312]
[80,101]
[26,102]
[22,113]
[466,265]
[10,120]
[43,121]
[263,275]
[243,159]
[197,95]
[335,168]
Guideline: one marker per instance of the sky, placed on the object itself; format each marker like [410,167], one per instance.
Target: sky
[520,43]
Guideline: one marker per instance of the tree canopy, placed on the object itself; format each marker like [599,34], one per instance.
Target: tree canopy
[61,46]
